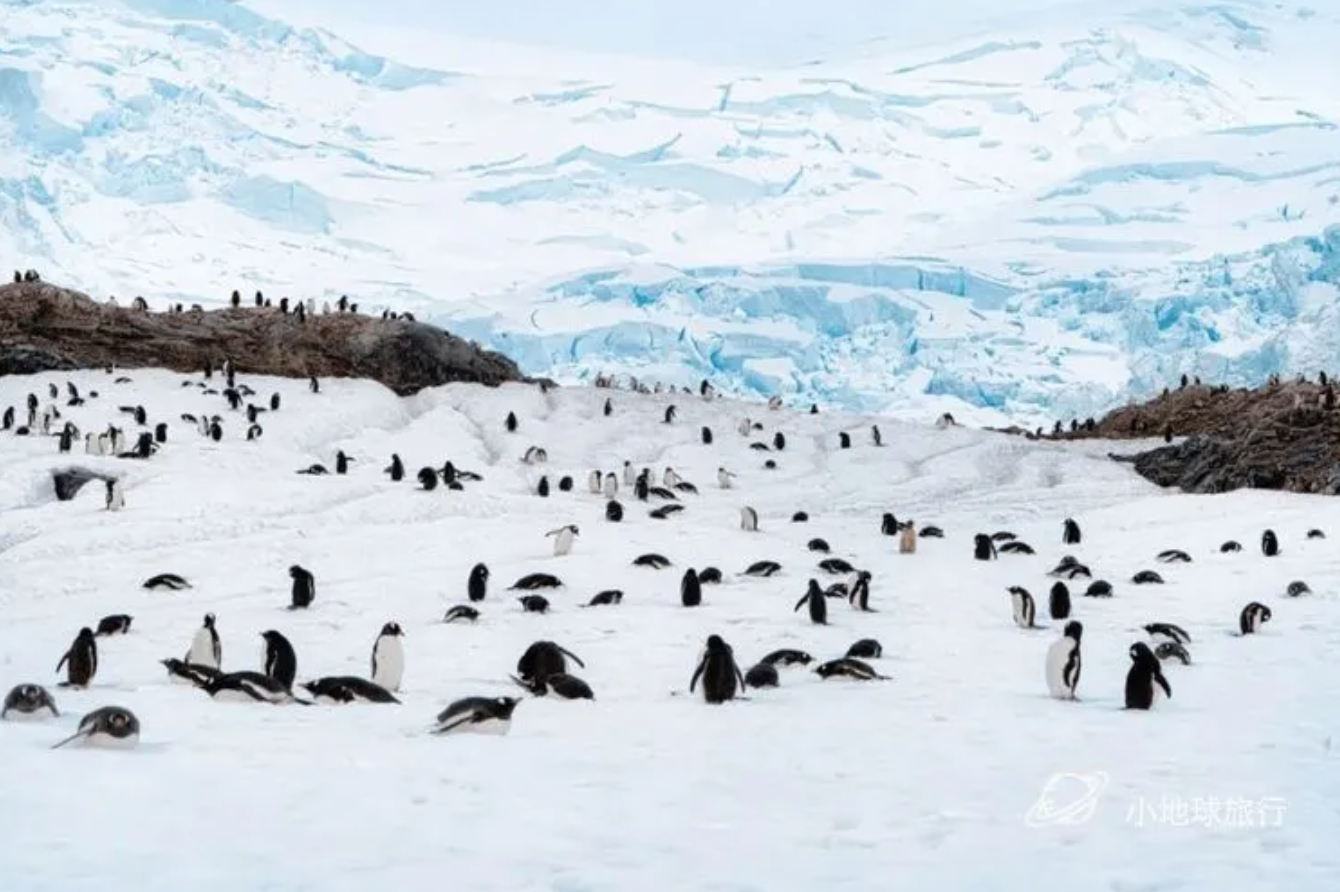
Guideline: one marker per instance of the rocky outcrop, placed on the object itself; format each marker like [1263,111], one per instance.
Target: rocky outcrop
[47,328]
[1283,436]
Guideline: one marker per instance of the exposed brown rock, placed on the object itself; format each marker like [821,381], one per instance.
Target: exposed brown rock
[44,327]
[1280,436]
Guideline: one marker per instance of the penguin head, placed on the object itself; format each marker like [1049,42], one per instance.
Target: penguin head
[572,528]
[85,634]
[392,629]
[505,705]
[715,644]
[209,621]
[1141,654]
[1075,629]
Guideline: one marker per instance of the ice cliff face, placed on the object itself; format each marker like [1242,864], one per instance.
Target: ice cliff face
[1026,225]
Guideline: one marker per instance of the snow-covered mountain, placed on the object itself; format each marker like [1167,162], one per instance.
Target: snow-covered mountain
[1036,221]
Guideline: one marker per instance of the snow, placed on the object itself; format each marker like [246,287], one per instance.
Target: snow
[1074,202]
[930,779]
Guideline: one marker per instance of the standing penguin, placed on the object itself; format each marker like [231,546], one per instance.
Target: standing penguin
[724,478]
[610,485]
[116,499]
[858,592]
[82,660]
[718,671]
[1025,610]
[1058,605]
[907,540]
[281,661]
[511,422]
[477,586]
[342,462]
[983,549]
[1070,535]
[748,519]
[629,475]
[609,408]
[563,539]
[304,588]
[1253,616]
[1270,544]
[396,469]
[690,589]
[1063,662]
[1145,678]
[206,649]
[388,657]
[814,596]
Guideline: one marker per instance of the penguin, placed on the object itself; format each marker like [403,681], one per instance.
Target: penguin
[1161,632]
[511,423]
[858,592]
[1063,662]
[594,481]
[160,433]
[690,589]
[819,545]
[1058,602]
[532,581]
[907,540]
[396,469]
[281,662]
[866,649]
[180,670]
[476,587]
[609,485]
[1169,650]
[461,613]
[535,455]
[606,598]
[542,659]
[706,435]
[779,441]
[26,702]
[844,440]
[304,588]
[341,689]
[206,649]
[342,462]
[763,569]
[848,667]
[835,566]
[1099,588]
[724,478]
[1296,588]
[718,671]
[613,511]
[1147,577]
[477,715]
[709,576]
[1173,556]
[787,656]
[168,581]
[116,499]
[745,427]
[115,624]
[762,675]
[534,603]
[875,436]
[81,660]
[388,657]
[983,549]
[888,524]
[629,475]
[107,727]
[1270,545]
[1252,617]
[1025,610]
[818,604]
[427,478]
[561,685]
[250,687]
[608,410]
[274,402]
[1145,678]
[542,490]
[669,414]
[655,561]
[748,519]
[563,539]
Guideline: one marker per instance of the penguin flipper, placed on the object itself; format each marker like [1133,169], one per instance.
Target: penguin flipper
[1162,682]
[576,659]
[801,602]
[83,732]
[697,674]
[63,660]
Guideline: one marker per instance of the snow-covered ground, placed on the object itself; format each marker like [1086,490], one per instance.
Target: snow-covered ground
[928,780]
[1023,216]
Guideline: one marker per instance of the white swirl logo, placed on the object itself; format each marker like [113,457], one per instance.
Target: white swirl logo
[1067,799]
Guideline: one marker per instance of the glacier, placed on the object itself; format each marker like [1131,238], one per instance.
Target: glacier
[1014,220]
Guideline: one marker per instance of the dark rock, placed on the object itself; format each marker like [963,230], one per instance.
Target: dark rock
[47,328]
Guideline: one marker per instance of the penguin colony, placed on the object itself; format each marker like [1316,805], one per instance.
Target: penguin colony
[547,668]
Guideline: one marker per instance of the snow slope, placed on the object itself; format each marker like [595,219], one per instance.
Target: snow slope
[1031,219]
[925,780]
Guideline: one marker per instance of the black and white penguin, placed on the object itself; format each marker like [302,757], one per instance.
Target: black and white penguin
[342,462]
[542,489]
[1145,678]
[690,589]
[1147,577]
[866,649]
[250,687]
[836,565]
[1161,632]
[341,689]
[564,536]
[1270,544]
[787,656]
[114,624]
[561,685]
[26,702]
[653,560]
[779,441]
[1297,588]
[748,519]
[858,592]
[182,671]
[1252,617]
[818,604]
[724,478]
[427,478]
[709,576]
[1173,556]
[281,661]
[718,671]
[762,675]
[1058,602]
[461,613]
[1070,534]
[1230,547]
[476,587]
[763,569]
[477,715]
[1023,606]
[1063,662]
[116,497]
[875,436]
[669,414]
[542,659]
[706,435]
[510,423]
[983,547]
[534,581]
[848,667]
[613,511]
[888,524]
[844,440]
[206,648]
[396,469]
[388,657]
[81,660]
[108,727]
[304,588]
[609,485]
